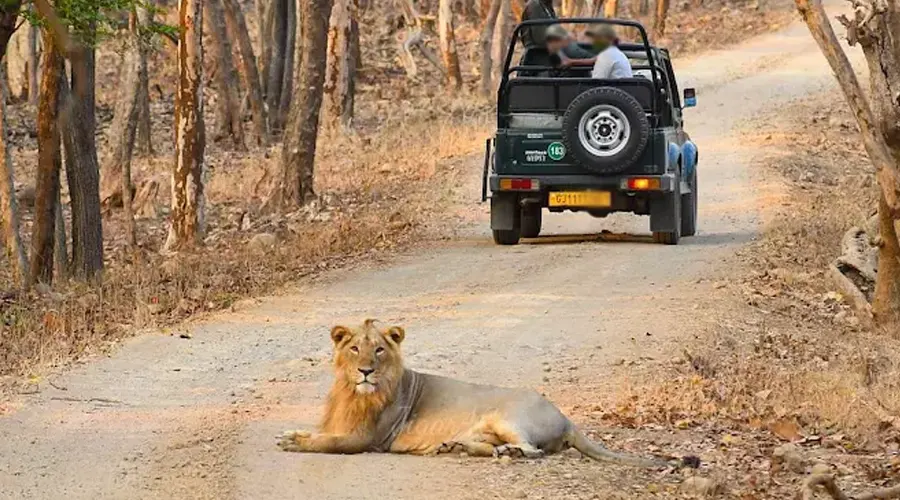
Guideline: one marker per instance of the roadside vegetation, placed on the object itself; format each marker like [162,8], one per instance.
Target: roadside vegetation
[393,142]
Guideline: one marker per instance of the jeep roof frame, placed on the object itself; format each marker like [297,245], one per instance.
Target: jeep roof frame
[645,45]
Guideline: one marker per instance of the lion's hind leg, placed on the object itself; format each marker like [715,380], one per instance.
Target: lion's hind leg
[521,450]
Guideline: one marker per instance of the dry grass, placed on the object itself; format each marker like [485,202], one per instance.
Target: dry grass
[791,358]
[375,194]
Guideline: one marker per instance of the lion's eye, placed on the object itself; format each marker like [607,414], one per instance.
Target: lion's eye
[354,349]
[379,351]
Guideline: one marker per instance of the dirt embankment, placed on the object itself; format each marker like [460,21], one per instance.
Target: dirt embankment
[787,377]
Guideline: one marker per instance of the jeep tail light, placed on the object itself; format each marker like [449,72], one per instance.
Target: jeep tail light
[519,185]
[643,184]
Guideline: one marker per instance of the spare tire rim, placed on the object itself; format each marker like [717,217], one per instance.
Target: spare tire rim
[604,130]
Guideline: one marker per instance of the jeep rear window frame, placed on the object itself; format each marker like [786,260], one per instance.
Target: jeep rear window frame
[645,43]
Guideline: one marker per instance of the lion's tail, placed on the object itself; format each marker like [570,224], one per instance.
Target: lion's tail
[582,443]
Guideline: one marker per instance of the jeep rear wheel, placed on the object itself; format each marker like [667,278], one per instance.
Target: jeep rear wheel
[606,130]
[689,207]
[531,221]
[673,199]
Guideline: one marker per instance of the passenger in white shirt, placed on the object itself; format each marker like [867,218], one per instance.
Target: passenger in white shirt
[611,62]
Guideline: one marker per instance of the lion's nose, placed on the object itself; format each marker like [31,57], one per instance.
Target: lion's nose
[366,371]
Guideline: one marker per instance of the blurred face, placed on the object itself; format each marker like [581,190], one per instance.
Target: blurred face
[554,45]
[601,42]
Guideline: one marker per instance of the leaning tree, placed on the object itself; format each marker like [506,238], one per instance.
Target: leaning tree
[875,26]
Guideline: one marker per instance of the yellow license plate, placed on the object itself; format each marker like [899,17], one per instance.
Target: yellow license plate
[592,199]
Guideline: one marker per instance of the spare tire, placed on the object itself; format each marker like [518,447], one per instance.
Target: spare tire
[605,130]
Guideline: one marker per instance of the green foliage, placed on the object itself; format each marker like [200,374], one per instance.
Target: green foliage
[91,21]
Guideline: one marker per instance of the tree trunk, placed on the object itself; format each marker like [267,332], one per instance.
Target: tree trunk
[340,76]
[33,64]
[144,128]
[485,40]
[659,22]
[125,119]
[277,14]
[265,19]
[60,254]
[16,64]
[9,210]
[291,52]
[448,46]
[568,8]
[886,304]
[610,9]
[295,186]
[82,168]
[187,223]
[228,110]
[125,124]
[237,28]
[643,7]
[503,32]
[49,162]
[874,34]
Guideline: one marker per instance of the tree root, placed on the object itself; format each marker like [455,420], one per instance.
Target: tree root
[826,481]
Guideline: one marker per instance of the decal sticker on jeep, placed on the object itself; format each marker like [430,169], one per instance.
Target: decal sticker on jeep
[556,151]
[535,156]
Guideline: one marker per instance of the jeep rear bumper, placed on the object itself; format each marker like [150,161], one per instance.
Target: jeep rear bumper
[546,183]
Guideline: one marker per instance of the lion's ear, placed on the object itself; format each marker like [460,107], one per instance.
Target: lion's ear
[339,333]
[396,333]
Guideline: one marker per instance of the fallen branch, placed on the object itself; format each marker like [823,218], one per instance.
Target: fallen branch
[847,287]
[826,481]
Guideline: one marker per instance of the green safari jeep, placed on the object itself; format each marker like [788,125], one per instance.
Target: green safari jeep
[566,141]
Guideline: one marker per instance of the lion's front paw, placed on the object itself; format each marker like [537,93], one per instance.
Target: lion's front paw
[451,447]
[294,440]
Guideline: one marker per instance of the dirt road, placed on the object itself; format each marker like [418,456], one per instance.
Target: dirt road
[167,417]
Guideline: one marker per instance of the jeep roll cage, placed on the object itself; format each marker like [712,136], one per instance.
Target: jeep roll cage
[644,47]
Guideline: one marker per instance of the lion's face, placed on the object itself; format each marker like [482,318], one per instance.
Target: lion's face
[368,357]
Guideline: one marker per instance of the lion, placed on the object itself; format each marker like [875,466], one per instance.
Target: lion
[377,405]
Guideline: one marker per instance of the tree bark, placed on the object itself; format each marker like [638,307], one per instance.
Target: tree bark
[125,119]
[277,39]
[237,27]
[343,60]
[125,123]
[187,223]
[659,22]
[60,254]
[295,185]
[871,32]
[82,168]
[228,109]
[503,32]
[485,40]
[49,162]
[9,210]
[291,52]
[610,9]
[448,46]
[33,64]
[886,303]
[144,129]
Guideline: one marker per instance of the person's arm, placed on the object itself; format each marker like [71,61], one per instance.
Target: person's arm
[568,62]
